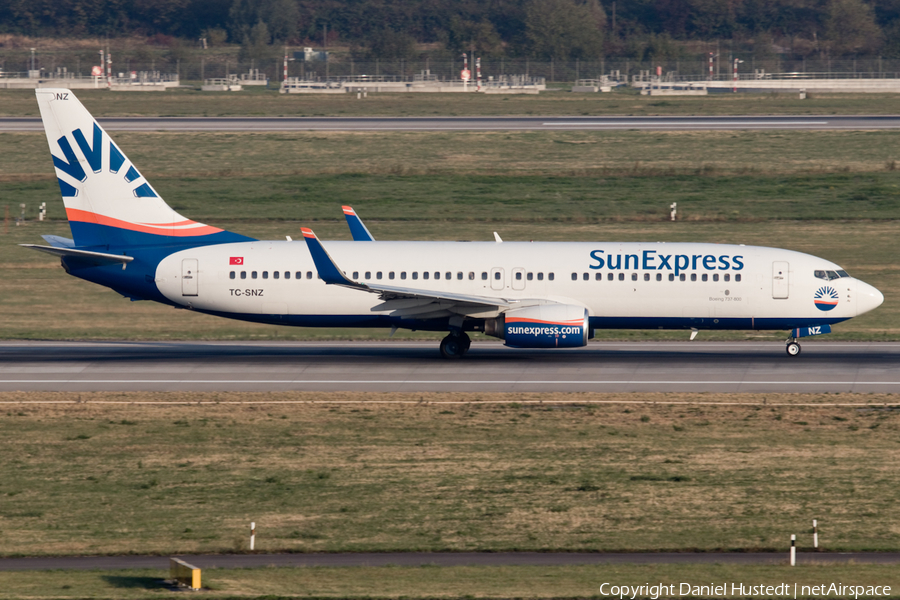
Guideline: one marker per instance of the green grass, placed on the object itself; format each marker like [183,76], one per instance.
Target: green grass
[117,478]
[262,102]
[582,581]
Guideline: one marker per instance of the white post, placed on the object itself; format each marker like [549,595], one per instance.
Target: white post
[43,212]
[793,550]
[252,535]
[674,209]
[815,535]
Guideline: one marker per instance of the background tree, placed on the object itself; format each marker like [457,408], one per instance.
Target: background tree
[281,18]
[564,29]
[850,28]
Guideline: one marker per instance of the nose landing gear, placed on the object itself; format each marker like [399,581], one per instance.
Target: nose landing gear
[455,345]
[792,348]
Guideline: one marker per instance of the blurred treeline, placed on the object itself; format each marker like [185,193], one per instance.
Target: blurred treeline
[440,29]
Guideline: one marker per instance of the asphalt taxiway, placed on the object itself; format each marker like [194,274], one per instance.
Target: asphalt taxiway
[441,559]
[823,367]
[654,123]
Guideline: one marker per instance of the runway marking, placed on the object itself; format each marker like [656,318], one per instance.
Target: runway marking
[428,402]
[452,381]
[699,124]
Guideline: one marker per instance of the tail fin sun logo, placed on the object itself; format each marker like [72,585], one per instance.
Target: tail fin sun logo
[826,298]
[93,154]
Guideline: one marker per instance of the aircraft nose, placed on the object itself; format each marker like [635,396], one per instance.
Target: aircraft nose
[867,297]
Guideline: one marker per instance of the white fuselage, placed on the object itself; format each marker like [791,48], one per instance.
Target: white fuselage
[664,285]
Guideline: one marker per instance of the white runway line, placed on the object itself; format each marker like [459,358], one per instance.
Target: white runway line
[448,382]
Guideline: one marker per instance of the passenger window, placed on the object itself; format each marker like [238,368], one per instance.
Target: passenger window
[610,276]
[574,276]
[659,276]
[646,276]
[287,274]
[368,274]
[737,277]
[497,275]
[415,275]
[355,274]
[727,277]
[391,275]
[231,275]
[309,274]
[518,276]
[540,276]
[378,275]
[599,277]
[693,277]
[402,274]
[681,277]
[471,275]
[483,276]
[253,275]
[634,276]
[424,275]
[298,275]
[243,274]
[586,276]
[265,274]
[704,277]
[550,276]
[530,276]
[715,276]
[621,276]
[671,276]
[276,275]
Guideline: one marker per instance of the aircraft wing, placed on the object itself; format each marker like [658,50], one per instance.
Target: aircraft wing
[357,229]
[403,300]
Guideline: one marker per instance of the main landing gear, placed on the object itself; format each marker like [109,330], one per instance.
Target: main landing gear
[792,348]
[455,345]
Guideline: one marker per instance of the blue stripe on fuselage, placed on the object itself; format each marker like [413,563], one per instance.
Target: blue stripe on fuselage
[94,235]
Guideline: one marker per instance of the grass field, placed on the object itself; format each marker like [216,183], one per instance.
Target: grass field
[262,102]
[440,582]
[488,472]
[832,194]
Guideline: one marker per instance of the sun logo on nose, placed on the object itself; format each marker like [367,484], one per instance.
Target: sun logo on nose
[826,298]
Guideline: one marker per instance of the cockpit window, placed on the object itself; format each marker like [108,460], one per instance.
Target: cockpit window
[829,275]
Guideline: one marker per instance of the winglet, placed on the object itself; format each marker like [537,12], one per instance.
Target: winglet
[328,271]
[357,228]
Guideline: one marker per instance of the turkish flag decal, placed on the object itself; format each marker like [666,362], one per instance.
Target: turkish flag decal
[236,260]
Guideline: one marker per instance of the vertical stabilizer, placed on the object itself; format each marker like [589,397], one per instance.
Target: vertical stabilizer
[108,202]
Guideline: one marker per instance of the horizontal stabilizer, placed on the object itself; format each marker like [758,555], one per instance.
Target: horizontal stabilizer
[97,256]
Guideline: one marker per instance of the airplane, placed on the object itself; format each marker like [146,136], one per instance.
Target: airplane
[529,294]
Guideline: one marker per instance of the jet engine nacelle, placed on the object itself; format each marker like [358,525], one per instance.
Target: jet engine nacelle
[543,326]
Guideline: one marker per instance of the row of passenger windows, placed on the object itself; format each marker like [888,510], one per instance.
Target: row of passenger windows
[275,275]
[659,277]
[391,275]
[484,275]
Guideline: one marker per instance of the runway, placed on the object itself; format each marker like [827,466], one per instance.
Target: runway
[678,123]
[441,559]
[823,367]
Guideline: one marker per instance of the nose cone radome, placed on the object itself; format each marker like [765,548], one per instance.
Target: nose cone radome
[867,298]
